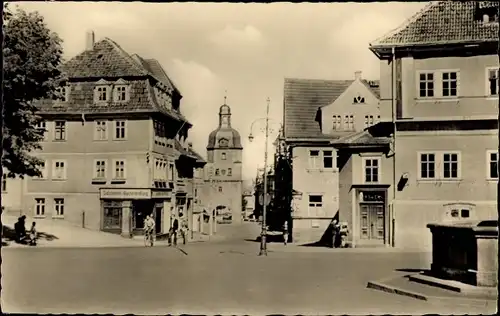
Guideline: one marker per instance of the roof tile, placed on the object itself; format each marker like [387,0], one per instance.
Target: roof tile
[444,21]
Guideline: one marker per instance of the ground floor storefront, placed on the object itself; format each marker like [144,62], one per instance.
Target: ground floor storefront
[123,211]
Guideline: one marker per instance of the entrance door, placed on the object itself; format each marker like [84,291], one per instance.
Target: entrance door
[372,223]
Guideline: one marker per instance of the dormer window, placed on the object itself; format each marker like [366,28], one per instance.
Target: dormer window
[63,93]
[102,91]
[121,93]
[359,100]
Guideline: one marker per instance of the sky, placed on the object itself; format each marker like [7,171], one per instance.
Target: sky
[244,49]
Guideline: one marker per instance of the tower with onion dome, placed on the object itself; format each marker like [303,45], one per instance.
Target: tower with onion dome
[223,171]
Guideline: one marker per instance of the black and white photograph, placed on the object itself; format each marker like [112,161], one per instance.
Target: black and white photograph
[250,158]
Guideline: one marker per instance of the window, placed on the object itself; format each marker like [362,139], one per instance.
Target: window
[315,205]
[493,83]
[4,182]
[59,170]
[369,120]
[101,131]
[121,93]
[427,166]
[492,164]
[60,130]
[350,122]
[358,100]
[313,159]
[450,80]
[450,166]
[372,170]
[337,122]
[223,172]
[42,129]
[119,172]
[120,130]
[59,207]
[229,171]
[220,189]
[327,159]
[43,170]
[217,171]
[101,94]
[463,213]
[100,169]
[39,207]
[426,82]
[171,172]
[62,93]
[223,156]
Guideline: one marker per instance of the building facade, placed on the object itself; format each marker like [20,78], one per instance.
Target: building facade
[115,146]
[433,154]
[12,194]
[315,113]
[224,178]
[440,88]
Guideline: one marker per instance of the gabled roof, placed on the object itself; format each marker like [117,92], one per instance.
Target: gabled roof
[443,22]
[107,59]
[302,100]
[362,139]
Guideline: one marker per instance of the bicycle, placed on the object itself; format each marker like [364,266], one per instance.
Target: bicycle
[148,239]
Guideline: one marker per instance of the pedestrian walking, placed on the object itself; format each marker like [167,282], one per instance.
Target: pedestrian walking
[173,232]
[184,230]
[285,232]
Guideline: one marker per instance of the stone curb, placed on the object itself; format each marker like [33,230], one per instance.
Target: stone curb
[438,300]
[304,249]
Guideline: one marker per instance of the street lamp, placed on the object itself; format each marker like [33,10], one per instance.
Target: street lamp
[263,234]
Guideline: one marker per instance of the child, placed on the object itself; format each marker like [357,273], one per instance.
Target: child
[33,234]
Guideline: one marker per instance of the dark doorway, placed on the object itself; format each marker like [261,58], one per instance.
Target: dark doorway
[158,212]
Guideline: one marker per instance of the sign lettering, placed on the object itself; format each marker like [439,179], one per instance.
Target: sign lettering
[373,196]
[160,194]
[125,194]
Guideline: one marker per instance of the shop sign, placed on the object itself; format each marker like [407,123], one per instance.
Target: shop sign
[372,196]
[125,194]
[160,194]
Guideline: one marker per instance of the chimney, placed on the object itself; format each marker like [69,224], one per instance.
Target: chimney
[357,75]
[90,40]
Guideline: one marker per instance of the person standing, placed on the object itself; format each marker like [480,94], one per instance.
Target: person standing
[285,232]
[173,231]
[335,233]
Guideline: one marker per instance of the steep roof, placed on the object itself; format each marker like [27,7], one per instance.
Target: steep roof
[302,100]
[154,67]
[444,22]
[106,59]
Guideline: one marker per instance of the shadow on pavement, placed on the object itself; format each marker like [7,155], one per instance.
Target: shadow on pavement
[9,234]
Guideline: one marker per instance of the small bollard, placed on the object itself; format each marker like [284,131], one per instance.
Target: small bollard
[83,219]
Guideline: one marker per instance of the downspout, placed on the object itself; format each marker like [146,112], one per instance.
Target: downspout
[393,103]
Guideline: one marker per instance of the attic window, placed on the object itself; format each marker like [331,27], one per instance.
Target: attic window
[121,93]
[63,93]
[358,100]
